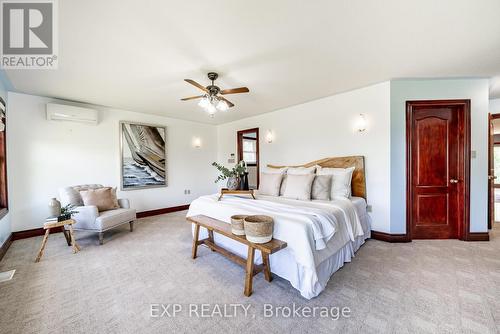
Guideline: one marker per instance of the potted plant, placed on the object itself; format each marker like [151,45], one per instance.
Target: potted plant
[67,212]
[232,175]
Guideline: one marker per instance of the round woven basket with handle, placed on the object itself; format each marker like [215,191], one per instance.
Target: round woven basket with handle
[259,229]
[237,225]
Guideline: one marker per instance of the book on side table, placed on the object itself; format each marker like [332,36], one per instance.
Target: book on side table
[60,218]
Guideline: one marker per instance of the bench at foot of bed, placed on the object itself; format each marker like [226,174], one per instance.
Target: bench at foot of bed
[218,226]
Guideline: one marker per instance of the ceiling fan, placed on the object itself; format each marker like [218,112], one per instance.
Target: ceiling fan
[212,101]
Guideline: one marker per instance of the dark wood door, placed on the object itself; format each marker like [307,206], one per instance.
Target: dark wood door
[437,164]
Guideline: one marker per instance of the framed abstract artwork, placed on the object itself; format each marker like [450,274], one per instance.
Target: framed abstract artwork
[143,153]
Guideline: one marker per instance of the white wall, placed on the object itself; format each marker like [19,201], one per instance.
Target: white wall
[495,106]
[45,155]
[325,128]
[5,225]
[477,90]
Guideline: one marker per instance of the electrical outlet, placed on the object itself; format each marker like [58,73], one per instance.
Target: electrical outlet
[369,208]
[7,275]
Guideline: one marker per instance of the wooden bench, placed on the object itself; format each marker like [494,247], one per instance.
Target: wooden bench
[223,228]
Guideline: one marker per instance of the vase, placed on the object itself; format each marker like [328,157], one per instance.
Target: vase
[245,182]
[54,207]
[233,183]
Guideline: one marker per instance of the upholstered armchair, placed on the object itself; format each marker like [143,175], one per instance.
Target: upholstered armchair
[89,218]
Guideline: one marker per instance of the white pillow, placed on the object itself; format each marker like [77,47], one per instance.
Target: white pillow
[301,170]
[270,184]
[299,186]
[295,171]
[341,180]
[270,170]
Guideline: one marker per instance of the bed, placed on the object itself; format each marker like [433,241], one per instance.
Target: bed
[321,235]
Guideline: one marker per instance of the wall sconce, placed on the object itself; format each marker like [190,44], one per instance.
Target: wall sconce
[269,136]
[361,123]
[197,142]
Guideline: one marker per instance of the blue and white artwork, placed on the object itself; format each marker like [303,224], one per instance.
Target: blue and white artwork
[143,156]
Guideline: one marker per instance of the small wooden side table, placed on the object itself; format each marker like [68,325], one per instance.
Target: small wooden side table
[69,239]
[236,192]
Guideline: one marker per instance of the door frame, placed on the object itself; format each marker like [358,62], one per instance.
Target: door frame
[464,229]
[491,144]
[239,143]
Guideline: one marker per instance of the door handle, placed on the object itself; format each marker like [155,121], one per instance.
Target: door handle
[492,177]
[453,181]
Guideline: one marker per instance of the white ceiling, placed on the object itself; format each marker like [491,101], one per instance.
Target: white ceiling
[135,54]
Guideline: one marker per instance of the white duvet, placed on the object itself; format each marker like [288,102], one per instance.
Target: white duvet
[313,234]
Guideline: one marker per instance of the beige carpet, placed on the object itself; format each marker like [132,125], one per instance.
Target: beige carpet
[422,287]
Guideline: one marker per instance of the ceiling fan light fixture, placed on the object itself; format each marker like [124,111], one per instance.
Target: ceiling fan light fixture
[211,102]
[211,110]
[222,105]
[204,102]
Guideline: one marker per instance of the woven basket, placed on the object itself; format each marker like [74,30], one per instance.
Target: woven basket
[237,225]
[259,229]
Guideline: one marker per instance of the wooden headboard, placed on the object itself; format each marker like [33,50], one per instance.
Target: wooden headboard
[358,183]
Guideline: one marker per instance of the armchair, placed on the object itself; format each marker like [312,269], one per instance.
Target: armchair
[90,219]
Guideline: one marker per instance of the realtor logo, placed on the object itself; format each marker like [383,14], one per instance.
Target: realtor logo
[29,39]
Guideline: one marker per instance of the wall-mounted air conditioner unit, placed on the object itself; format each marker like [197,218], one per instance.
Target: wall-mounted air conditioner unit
[61,112]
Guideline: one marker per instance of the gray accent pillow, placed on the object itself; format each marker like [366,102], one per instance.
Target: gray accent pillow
[299,186]
[283,185]
[321,187]
[341,182]
[270,184]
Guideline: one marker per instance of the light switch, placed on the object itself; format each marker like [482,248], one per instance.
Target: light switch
[473,154]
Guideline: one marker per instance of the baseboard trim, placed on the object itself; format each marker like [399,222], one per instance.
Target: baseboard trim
[478,236]
[162,211]
[36,232]
[5,246]
[387,237]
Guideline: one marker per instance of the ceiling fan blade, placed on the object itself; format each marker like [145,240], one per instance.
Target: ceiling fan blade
[194,83]
[235,90]
[229,103]
[192,98]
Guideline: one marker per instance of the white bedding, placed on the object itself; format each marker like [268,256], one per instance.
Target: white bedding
[321,235]
[358,202]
